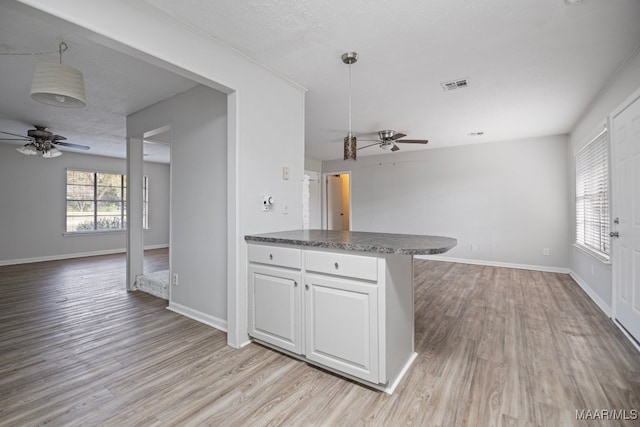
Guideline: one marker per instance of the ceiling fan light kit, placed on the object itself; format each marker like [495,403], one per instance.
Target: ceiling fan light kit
[28,149]
[41,143]
[387,138]
[51,152]
[58,84]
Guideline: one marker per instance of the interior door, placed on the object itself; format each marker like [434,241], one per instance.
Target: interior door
[625,239]
[334,203]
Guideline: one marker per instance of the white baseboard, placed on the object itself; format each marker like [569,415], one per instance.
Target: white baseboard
[158,246]
[61,256]
[626,334]
[545,268]
[198,316]
[592,294]
[74,255]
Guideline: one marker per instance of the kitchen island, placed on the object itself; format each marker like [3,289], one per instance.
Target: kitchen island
[341,300]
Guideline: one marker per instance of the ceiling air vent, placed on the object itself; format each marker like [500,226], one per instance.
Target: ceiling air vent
[454,84]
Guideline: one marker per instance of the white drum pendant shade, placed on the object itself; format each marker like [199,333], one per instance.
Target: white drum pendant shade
[59,85]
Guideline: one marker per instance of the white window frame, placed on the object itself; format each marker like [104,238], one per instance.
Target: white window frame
[145,202]
[593,189]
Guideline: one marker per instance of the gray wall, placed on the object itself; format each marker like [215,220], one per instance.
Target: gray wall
[591,273]
[509,199]
[265,114]
[198,120]
[32,211]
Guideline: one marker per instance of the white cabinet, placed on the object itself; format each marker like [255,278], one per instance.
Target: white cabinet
[341,327]
[351,313]
[275,315]
[274,307]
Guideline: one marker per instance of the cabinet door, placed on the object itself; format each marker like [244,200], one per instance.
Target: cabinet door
[342,325]
[274,307]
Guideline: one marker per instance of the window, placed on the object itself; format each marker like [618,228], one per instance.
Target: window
[96,201]
[592,196]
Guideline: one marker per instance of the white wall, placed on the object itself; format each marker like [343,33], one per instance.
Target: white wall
[32,212]
[198,120]
[158,232]
[591,273]
[265,120]
[509,199]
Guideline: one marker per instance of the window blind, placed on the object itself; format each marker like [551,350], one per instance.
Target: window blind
[592,196]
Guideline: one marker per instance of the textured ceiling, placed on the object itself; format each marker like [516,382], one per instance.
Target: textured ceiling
[116,84]
[533,66]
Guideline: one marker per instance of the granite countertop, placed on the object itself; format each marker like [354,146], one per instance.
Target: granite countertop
[384,243]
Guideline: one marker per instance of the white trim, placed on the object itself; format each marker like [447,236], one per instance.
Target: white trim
[626,334]
[562,270]
[615,280]
[74,255]
[392,387]
[93,232]
[324,220]
[236,263]
[245,343]
[592,253]
[198,316]
[158,246]
[591,293]
[62,256]
[626,103]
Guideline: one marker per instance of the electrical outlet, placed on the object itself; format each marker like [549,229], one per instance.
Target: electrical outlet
[174,279]
[285,173]
[474,247]
[545,251]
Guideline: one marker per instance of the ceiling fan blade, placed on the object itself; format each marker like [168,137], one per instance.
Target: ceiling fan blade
[413,141]
[398,135]
[22,137]
[69,144]
[371,140]
[366,146]
[58,138]
[395,148]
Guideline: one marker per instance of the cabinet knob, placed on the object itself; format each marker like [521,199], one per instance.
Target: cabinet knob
[336,265]
[295,284]
[271,256]
[306,287]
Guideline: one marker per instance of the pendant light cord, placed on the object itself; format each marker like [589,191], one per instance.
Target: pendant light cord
[61,49]
[350,130]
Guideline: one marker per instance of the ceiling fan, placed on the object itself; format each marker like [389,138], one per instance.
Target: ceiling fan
[41,142]
[387,140]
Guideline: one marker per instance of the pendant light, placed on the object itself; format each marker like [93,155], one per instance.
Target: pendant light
[350,140]
[58,84]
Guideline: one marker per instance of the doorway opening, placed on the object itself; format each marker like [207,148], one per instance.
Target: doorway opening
[157,162]
[337,201]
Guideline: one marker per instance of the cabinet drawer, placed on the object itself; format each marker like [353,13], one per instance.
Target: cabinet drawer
[347,265]
[274,255]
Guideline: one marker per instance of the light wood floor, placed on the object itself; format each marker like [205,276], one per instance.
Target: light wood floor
[497,347]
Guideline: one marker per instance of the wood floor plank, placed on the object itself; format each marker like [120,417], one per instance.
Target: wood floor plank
[496,347]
